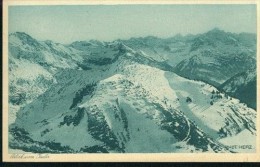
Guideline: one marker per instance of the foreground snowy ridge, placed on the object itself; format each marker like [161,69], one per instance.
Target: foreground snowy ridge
[109,97]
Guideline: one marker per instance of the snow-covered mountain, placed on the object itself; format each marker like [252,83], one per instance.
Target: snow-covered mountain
[93,96]
[243,87]
[213,57]
[32,66]
[217,56]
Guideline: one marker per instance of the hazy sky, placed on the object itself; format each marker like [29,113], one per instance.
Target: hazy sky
[66,24]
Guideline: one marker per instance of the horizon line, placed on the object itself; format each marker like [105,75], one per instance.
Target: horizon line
[134,37]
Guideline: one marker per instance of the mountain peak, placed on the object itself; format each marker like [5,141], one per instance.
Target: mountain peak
[18,37]
[215,30]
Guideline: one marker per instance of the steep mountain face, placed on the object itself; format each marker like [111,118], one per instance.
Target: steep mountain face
[113,97]
[172,50]
[116,110]
[213,57]
[243,87]
[32,66]
[216,56]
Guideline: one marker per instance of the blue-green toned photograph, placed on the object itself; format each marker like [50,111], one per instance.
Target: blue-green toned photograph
[132,79]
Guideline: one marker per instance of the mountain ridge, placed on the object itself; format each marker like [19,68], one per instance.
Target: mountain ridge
[112,93]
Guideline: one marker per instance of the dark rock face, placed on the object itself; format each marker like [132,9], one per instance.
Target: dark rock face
[243,87]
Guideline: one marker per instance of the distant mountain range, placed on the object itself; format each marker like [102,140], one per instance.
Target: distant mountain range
[180,94]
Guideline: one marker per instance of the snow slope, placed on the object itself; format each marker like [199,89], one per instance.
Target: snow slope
[121,96]
[130,107]
[32,67]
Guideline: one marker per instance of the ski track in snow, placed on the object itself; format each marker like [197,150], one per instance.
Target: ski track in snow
[188,133]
